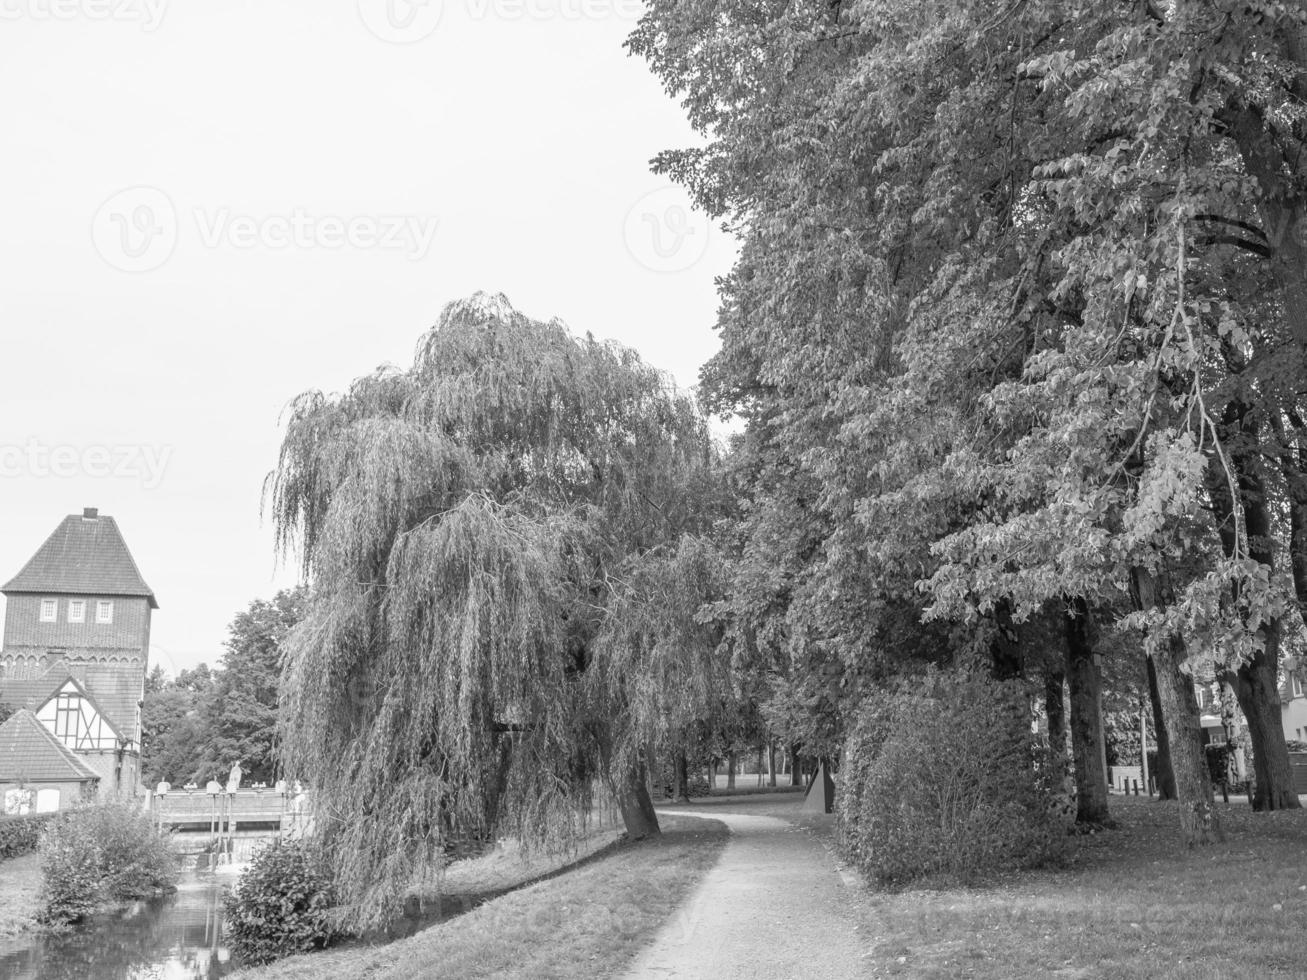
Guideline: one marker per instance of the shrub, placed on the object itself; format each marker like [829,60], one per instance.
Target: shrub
[281,905]
[946,780]
[101,854]
[21,835]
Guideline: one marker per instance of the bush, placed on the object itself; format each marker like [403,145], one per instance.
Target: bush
[97,855]
[21,835]
[946,780]
[281,905]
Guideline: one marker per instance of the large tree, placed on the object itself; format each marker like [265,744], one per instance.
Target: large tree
[1015,282]
[466,526]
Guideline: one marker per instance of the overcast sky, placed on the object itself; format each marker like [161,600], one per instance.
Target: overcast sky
[212,206]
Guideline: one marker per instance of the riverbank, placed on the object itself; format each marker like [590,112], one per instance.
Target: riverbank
[587,921]
[20,884]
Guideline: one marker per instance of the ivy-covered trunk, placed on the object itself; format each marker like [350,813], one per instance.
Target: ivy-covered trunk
[1175,692]
[1086,685]
[730,770]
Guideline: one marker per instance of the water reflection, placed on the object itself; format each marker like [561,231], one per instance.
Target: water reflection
[178,937]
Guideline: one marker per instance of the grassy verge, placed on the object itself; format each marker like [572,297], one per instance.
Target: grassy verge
[588,922]
[20,881]
[1135,903]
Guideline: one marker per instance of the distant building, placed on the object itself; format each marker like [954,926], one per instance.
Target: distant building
[75,655]
[1293,700]
[38,773]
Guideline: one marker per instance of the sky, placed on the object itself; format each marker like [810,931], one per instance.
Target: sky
[212,206]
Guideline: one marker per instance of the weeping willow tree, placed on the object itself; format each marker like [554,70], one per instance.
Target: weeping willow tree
[467,527]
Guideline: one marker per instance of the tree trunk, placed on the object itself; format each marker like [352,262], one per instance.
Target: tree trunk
[1163,773]
[632,792]
[1005,651]
[1256,688]
[682,765]
[712,773]
[1086,684]
[731,759]
[796,777]
[771,764]
[1175,689]
[630,787]
[1055,709]
[1255,682]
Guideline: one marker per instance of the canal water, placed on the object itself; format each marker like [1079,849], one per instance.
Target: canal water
[176,937]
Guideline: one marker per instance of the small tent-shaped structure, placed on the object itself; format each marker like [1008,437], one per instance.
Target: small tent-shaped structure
[820,797]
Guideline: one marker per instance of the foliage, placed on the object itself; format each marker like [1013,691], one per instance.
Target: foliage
[21,835]
[101,854]
[5,711]
[282,904]
[945,780]
[467,525]
[1017,320]
[239,715]
[196,725]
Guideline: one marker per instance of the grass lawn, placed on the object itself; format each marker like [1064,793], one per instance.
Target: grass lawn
[1133,903]
[587,922]
[20,881]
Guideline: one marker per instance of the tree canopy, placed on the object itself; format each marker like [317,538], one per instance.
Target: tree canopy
[470,527]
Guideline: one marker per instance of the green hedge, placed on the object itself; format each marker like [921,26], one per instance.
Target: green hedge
[21,835]
[944,780]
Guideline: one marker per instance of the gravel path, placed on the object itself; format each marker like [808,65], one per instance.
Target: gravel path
[774,908]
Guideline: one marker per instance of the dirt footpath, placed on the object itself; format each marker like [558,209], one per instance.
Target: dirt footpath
[772,909]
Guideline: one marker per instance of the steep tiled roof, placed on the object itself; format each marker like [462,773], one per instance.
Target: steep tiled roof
[86,555]
[114,689]
[30,753]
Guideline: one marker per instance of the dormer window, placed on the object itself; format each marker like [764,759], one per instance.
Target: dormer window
[49,610]
[104,611]
[76,610]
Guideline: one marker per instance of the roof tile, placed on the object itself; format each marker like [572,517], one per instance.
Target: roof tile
[86,555]
[29,752]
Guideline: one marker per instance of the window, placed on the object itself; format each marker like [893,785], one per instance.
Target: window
[49,610]
[76,610]
[1296,683]
[47,800]
[104,611]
